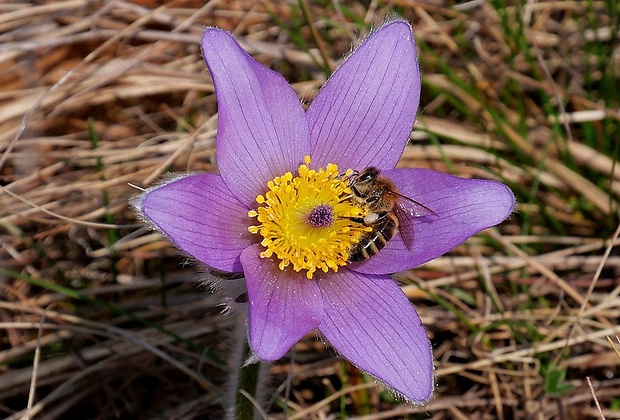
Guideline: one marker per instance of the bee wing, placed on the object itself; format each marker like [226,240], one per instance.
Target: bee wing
[412,207]
[405,225]
[406,209]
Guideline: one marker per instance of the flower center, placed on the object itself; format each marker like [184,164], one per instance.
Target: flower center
[321,216]
[306,220]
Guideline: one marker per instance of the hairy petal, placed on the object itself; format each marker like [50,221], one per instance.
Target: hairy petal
[364,114]
[369,320]
[262,128]
[284,304]
[463,206]
[190,209]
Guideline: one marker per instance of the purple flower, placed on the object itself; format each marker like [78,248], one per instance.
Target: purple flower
[280,213]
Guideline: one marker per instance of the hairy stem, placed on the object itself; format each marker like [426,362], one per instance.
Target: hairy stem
[248,379]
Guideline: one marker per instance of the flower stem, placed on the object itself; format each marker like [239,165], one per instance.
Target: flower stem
[248,381]
[247,376]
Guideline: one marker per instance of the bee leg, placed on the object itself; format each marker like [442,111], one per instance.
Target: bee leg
[371,218]
[356,219]
[348,177]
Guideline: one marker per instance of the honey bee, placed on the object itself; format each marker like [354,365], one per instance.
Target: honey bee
[389,212]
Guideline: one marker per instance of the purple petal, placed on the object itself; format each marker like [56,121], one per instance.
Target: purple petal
[262,128]
[284,305]
[200,215]
[369,320]
[464,207]
[364,114]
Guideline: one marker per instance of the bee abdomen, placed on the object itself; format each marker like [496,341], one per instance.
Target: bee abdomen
[374,241]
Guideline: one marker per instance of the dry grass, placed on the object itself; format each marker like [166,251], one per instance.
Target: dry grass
[101,321]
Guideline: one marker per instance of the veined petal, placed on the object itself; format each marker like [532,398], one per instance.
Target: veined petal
[262,128]
[364,114]
[463,206]
[284,304]
[369,320]
[200,215]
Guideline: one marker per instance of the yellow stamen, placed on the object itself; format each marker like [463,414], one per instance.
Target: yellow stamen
[305,220]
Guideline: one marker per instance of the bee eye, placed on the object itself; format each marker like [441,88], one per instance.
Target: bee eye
[366,177]
[368,174]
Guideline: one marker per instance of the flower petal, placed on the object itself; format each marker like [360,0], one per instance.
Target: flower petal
[364,114]
[262,128]
[369,320]
[464,207]
[284,305]
[190,211]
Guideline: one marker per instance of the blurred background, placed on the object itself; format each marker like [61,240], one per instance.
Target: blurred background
[100,318]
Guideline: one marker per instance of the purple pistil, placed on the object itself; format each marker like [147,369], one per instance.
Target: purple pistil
[321,216]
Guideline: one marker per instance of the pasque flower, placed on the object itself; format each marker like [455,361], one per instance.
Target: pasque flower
[280,210]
